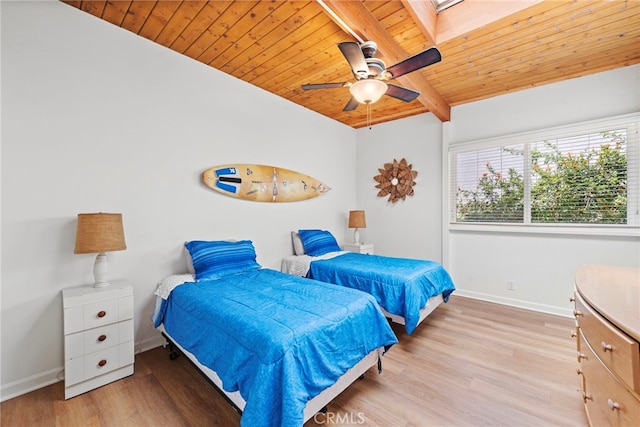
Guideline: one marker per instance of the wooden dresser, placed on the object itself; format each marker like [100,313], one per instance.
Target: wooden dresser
[607,313]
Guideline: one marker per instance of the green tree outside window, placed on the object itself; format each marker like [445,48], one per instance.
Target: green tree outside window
[586,187]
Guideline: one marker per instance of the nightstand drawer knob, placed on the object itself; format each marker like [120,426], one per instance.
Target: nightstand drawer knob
[102,338]
[102,362]
[102,313]
[577,313]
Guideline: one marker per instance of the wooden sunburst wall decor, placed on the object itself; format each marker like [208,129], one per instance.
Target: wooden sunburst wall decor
[396,180]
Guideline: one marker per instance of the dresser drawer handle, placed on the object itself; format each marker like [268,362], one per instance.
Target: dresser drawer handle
[577,313]
[581,356]
[586,397]
[572,299]
[606,347]
[613,405]
[579,371]
[102,313]
[102,362]
[102,338]
[574,334]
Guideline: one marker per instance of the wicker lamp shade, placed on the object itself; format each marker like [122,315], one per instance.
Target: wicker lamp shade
[99,232]
[357,219]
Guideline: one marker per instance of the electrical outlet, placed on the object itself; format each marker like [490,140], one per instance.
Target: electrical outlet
[511,285]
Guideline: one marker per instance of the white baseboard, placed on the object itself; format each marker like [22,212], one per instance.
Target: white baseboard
[34,382]
[542,308]
[150,343]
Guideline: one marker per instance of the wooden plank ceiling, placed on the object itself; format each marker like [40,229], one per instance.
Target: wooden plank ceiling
[488,48]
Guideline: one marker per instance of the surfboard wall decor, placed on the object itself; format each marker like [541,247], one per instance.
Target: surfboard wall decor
[261,183]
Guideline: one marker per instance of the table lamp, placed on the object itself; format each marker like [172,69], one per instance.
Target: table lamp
[99,233]
[357,220]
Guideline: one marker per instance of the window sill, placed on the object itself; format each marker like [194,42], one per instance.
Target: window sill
[582,230]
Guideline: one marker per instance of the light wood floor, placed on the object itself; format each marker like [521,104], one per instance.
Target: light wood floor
[470,363]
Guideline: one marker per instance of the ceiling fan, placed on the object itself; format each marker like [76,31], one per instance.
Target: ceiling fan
[371,74]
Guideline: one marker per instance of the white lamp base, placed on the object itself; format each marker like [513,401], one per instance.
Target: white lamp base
[356,237]
[100,269]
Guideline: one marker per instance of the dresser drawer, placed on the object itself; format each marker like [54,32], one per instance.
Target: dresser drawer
[619,352]
[576,334]
[92,340]
[98,363]
[607,400]
[90,315]
[100,313]
[86,307]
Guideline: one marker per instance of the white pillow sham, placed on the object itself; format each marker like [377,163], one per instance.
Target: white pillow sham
[169,283]
[298,248]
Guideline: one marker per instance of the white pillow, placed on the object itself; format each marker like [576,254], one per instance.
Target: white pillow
[298,248]
[169,283]
[187,256]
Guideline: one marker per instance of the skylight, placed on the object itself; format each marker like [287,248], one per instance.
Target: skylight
[444,4]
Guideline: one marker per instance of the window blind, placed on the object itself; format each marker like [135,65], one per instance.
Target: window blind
[588,174]
[580,179]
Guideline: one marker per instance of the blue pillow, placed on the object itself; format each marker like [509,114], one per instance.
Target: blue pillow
[212,260]
[318,242]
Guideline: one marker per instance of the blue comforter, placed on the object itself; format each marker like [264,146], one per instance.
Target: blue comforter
[278,339]
[401,286]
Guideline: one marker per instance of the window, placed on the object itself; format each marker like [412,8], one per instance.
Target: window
[587,174]
[444,4]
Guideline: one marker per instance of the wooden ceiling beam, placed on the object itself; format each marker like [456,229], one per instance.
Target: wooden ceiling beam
[425,15]
[356,15]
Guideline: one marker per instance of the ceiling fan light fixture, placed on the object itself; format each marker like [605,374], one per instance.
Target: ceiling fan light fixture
[368,91]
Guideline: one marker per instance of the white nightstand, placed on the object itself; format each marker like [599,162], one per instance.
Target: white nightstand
[98,336]
[362,248]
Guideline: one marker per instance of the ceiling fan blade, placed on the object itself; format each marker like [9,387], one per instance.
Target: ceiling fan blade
[354,56]
[420,60]
[312,86]
[401,93]
[351,105]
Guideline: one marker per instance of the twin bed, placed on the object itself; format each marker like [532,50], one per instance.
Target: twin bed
[278,346]
[407,290]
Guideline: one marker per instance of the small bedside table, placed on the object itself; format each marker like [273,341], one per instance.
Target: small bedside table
[98,336]
[362,248]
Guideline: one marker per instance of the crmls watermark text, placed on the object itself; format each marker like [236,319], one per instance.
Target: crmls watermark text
[337,418]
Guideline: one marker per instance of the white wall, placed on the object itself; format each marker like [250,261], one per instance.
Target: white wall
[409,228]
[541,266]
[95,118]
